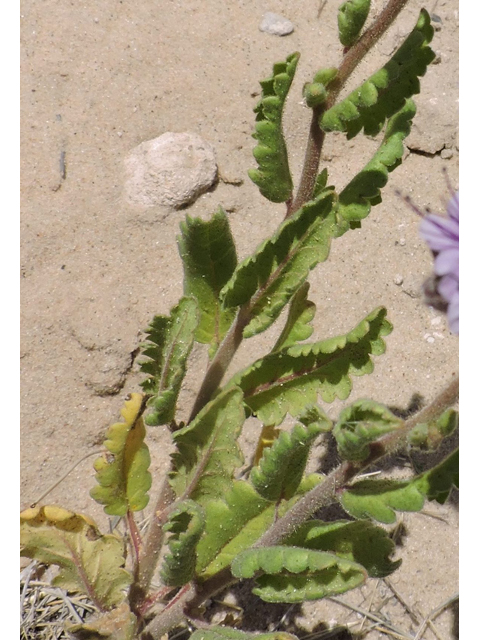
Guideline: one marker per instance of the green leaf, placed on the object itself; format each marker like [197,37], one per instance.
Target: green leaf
[314,415]
[227,633]
[379,499]
[351,18]
[385,92]
[89,562]
[290,380]
[237,521]
[122,473]
[170,339]
[233,523]
[430,435]
[359,541]
[273,174]
[363,192]
[209,259]
[269,278]
[186,525]
[281,468]
[300,314]
[360,424]
[295,574]
[208,453]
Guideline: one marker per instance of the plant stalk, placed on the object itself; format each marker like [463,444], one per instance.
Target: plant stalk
[351,59]
[325,493]
[221,360]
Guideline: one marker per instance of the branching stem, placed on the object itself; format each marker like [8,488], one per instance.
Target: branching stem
[320,496]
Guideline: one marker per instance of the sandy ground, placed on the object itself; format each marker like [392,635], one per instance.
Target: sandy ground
[100,78]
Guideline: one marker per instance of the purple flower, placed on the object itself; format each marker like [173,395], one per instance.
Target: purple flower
[442,236]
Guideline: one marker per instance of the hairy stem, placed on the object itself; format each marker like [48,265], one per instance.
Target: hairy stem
[221,360]
[153,541]
[352,58]
[325,493]
[172,616]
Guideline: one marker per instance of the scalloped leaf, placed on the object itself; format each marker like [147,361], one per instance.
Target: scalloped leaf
[233,523]
[270,277]
[430,435]
[295,574]
[273,174]
[118,624]
[170,339]
[208,453]
[89,562]
[359,541]
[360,424]
[379,499]
[227,633]
[385,92]
[363,192]
[300,314]
[209,260]
[281,468]
[289,380]
[122,473]
[186,525]
[351,17]
[237,521]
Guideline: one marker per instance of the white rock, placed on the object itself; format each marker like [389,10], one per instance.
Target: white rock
[276,25]
[172,170]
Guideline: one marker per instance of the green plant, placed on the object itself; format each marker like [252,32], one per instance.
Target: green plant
[209,528]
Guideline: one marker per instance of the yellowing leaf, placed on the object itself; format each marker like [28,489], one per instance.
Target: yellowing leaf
[89,562]
[122,474]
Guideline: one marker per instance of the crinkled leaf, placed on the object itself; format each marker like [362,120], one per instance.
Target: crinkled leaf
[170,339]
[314,415]
[281,468]
[233,523]
[89,562]
[385,92]
[430,435]
[300,314]
[186,525]
[208,453]
[295,574]
[363,192]
[290,380]
[351,17]
[209,259]
[122,473]
[118,624]
[238,520]
[379,499]
[270,277]
[359,541]
[227,633]
[360,424]
[273,174]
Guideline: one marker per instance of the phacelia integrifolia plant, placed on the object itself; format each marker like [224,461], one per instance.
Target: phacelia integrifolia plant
[210,527]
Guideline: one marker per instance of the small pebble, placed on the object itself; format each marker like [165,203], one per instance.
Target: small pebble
[276,25]
[402,242]
[429,338]
[446,154]
[398,279]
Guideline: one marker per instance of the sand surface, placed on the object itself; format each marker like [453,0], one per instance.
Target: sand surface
[99,78]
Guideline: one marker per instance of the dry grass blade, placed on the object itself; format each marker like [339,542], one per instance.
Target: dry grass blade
[44,609]
[382,624]
[428,620]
